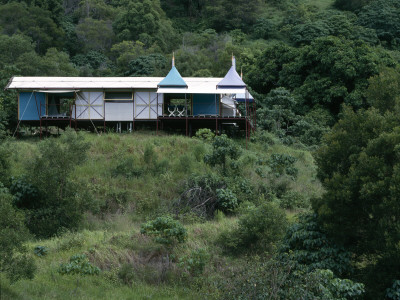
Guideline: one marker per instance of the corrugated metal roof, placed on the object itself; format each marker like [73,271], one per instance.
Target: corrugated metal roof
[65,83]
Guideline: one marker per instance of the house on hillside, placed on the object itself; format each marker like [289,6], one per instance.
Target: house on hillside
[121,102]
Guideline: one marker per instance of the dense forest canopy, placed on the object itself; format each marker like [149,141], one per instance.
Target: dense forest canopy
[326,78]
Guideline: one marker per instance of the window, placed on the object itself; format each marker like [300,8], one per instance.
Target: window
[126,96]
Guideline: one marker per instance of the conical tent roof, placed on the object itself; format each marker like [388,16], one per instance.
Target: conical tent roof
[231,79]
[173,79]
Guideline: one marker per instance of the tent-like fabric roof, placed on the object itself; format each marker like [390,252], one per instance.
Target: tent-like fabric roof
[241,97]
[173,80]
[231,80]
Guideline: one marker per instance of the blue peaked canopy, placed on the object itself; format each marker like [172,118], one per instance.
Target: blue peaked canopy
[231,80]
[173,79]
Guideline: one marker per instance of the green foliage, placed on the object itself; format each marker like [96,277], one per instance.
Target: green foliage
[384,18]
[275,279]
[358,166]
[147,65]
[227,200]
[78,264]
[384,90]
[277,112]
[165,230]
[32,21]
[58,204]
[331,23]
[25,194]
[307,245]
[126,273]
[258,230]
[13,234]
[195,263]
[352,5]
[205,135]
[40,251]
[200,195]
[223,149]
[22,266]
[293,200]
[328,72]
[394,291]
[283,164]
[4,163]
[95,34]
[70,241]
[127,167]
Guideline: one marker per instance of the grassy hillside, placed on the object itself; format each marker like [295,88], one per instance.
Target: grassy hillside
[128,179]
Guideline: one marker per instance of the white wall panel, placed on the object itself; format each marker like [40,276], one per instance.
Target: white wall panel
[119,111]
[146,104]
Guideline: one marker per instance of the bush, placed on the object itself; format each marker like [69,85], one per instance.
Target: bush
[283,164]
[274,279]
[22,267]
[223,149]
[205,135]
[259,228]
[49,171]
[394,291]
[13,234]
[40,251]
[293,200]
[25,194]
[200,195]
[78,264]
[307,245]
[227,200]
[195,262]
[126,273]
[165,230]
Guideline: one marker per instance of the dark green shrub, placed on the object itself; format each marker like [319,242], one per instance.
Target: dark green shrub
[25,194]
[165,230]
[13,234]
[307,244]
[195,262]
[126,273]
[49,171]
[259,228]
[223,149]
[293,199]
[40,251]
[260,279]
[227,200]
[78,264]
[394,291]
[22,267]
[283,164]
